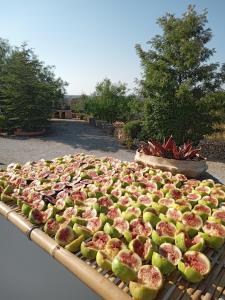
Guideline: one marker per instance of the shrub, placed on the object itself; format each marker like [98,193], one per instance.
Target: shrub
[133,129]
[2,122]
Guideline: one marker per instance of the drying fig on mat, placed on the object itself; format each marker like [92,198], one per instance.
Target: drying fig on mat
[167,259]
[148,284]
[64,235]
[126,264]
[190,223]
[164,232]
[184,242]
[143,246]
[194,266]
[213,234]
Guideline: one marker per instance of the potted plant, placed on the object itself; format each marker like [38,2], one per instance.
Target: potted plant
[170,157]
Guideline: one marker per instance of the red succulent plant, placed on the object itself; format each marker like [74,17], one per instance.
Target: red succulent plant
[169,149]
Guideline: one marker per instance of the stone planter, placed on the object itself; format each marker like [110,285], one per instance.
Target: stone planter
[190,168]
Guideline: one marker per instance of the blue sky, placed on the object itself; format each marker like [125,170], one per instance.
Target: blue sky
[88,40]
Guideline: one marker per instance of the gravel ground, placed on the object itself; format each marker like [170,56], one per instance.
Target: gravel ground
[69,136]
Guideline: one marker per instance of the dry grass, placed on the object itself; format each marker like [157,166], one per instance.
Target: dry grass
[218,136]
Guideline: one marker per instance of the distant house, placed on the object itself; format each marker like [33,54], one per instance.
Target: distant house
[65,112]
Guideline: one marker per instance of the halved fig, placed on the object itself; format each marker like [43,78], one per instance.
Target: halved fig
[113,247]
[218,193]
[167,259]
[59,186]
[124,202]
[144,201]
[174,193]
[90,201]
[69,212]
[64,235]
[193,198]
[126,264]
[203,190]
[102,204]
[194,266]
[60,204]
[167,187]
[183,205]
[219,216]
[103,260]
[159,180]
[78,196]
[74,246]
[165,232]
[213,234]
[39,204]
[210,201]
[35,216]
[139,227]
[116,194]
[165,203]
[151,215]
[149,282]
[172,215]
[112,213]
[207,182]
[51,227]
[156,195]
[26,208]
[94,224]
[184,242]
[82,230]
[119,227]
[143,246]
[131,213]
[48,213]
[89,249]
[190,223]
[203,211]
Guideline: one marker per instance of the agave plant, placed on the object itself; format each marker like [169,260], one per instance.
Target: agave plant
[169,149]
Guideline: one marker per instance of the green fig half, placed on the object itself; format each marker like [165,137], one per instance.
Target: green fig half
[64,235]
[165,232]
[149,282]
[213,234]
[126,264]
[194,266]
[184,242]
[143,246]
[74,246]
[190,223]
[167,259]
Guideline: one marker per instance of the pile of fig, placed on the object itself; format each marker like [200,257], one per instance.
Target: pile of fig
[138,222]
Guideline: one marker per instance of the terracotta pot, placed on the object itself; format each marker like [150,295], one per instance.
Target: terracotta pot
[190,168]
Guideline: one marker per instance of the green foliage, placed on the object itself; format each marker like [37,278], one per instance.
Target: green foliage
[79,105]
[2,121]
[110,102]
[133,128]
[29,90]
[184,91]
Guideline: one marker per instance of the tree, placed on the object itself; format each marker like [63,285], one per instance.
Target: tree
[184,90]
[105,103]
[29,90]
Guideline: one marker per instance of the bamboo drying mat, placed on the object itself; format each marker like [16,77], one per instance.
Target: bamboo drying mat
[110,287]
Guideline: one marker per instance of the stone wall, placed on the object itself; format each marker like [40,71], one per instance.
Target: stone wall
[213,150]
